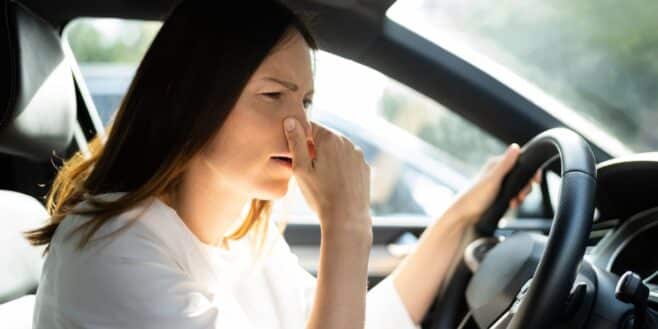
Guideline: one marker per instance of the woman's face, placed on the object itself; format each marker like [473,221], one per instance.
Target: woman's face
[242,153]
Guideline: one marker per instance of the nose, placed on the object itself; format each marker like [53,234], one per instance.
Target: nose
[302,117]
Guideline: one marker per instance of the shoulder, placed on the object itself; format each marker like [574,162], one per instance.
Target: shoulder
[137,265]
[147,230]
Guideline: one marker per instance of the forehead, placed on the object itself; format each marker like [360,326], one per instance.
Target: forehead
[290,59]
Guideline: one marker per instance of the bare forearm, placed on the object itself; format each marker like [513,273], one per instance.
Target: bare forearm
[419,276]
[342,281]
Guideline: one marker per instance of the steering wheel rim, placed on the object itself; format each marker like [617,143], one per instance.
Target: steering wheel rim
[565,248]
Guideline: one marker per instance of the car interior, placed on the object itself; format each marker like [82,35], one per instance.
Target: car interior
[585,256]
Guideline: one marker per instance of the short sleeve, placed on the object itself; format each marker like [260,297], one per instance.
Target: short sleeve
[384,307]
[143,288]
[136,293]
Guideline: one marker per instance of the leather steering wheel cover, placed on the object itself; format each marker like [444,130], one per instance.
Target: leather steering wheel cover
[565,249]
[575,156]
[572,223]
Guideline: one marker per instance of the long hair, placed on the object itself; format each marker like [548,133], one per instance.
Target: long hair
[182,92]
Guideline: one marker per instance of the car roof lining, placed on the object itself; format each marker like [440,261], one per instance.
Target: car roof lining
[358,12]
[359,30]
[345,27]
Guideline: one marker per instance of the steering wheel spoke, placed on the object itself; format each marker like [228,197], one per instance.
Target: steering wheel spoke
[476,251]
[505,319]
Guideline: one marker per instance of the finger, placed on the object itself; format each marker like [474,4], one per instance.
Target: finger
[492,162]
[526,190]
[318,132]
[537,177]
[513,203]
[311,149]
[297,143]
[509,159]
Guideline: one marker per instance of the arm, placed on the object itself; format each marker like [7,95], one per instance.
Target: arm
[420,274]
[383,306]
[339,300]
[336,184]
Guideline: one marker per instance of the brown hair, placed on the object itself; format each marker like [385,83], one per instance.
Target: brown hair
[182,92]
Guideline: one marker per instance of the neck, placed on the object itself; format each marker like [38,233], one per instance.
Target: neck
[208,208]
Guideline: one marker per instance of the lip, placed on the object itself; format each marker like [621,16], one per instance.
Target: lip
[282,155]
[283,159]
[287,164]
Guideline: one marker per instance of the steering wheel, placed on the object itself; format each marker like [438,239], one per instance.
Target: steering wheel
[524,281]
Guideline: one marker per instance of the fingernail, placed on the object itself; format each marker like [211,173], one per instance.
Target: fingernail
[289,123]
[311,149]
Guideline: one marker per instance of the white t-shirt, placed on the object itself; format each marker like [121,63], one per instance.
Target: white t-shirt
[155,273]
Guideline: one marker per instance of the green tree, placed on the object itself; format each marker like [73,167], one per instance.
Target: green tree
[127,42]
[599,57]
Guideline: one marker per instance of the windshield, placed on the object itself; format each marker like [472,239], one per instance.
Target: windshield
[599,58]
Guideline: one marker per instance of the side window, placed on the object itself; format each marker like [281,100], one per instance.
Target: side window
[108,52]
[420,153]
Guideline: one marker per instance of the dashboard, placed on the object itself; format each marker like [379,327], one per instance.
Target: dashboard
[633,246]
[627,207]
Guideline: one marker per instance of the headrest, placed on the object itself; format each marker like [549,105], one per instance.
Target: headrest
[38,105]
[20,263]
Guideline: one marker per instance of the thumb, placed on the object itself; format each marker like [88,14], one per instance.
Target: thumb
[297,144]
[509,159]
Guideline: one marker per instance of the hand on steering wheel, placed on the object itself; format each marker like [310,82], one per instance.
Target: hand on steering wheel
[474,201]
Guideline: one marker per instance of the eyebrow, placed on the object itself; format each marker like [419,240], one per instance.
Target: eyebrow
[286,84]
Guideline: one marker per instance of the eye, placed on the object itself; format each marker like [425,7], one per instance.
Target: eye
[308,103]
[273,95]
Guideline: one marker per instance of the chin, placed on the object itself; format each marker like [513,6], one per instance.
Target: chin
[273,191]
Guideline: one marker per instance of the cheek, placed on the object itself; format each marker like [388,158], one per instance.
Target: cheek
[240,152]
[249,135]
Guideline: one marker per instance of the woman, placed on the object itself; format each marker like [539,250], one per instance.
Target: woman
[148,232]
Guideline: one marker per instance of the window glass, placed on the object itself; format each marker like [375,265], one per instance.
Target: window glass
[597,57]
[108,52]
